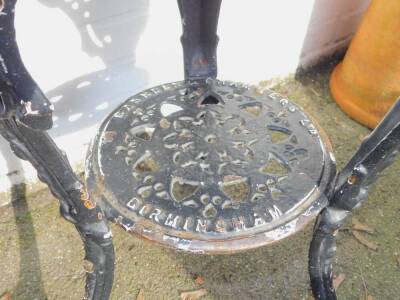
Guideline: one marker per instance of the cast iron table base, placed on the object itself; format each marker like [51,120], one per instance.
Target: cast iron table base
[202,165]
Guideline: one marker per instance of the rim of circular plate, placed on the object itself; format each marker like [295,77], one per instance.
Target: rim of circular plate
[172,238]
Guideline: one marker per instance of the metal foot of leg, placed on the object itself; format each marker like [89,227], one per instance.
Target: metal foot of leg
[322,252]
[99,260]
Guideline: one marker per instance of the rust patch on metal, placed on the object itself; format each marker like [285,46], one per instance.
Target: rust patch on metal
[109,136]
[88,266]
[87,201]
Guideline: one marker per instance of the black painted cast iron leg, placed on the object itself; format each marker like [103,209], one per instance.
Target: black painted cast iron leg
[75,205]
[376,152]
[29,103]
[199,38]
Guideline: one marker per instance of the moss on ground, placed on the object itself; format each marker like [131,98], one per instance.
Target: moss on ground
[41,253]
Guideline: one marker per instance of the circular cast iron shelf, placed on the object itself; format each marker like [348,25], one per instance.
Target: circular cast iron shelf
[210,167]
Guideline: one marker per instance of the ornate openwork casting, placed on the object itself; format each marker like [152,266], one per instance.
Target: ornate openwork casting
[210,166]
[202,165]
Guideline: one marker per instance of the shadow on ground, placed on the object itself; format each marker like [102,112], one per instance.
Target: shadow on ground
[85,101]
[110,32]
[29,277]
[273,272]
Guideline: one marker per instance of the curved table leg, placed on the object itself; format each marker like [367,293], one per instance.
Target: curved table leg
[75,205]
[322,252]
[377,152]
[27,101]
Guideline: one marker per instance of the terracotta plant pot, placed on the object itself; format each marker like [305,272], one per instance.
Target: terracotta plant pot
[367,82]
